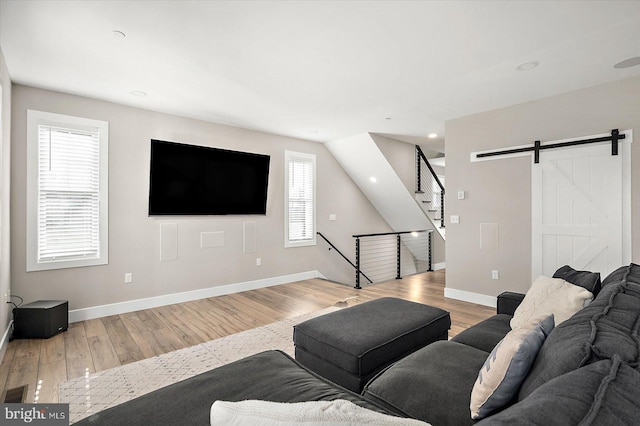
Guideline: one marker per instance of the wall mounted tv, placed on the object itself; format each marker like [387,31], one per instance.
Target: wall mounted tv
[198,180]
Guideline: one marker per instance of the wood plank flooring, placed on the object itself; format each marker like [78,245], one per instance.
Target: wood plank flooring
[99,344]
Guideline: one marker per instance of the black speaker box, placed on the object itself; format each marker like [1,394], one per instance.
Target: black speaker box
[41,319]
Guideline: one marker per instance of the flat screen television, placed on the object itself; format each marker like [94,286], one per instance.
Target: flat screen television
[198,180]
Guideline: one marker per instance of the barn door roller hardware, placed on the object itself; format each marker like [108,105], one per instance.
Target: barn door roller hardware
[537,147]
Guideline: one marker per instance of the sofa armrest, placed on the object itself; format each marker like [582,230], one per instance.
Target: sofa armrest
[508,302]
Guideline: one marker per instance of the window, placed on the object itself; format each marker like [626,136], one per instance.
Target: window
[67,191]
[300,199]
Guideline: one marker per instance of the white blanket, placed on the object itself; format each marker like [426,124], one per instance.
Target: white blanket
[265,413]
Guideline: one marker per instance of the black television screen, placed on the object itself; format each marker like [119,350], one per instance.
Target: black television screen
[198,180]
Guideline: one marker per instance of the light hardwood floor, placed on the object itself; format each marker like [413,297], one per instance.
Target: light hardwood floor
[100,344]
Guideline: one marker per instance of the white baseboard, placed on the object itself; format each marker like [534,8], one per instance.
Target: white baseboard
[467,296]
[438,266]
[170,299]
[5,340]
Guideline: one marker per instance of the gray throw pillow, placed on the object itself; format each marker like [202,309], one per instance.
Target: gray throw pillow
[507,366]
[584,279]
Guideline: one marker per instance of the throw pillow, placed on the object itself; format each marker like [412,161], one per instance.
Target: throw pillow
[551,296]
[267,413]
[585,279]
[507,366]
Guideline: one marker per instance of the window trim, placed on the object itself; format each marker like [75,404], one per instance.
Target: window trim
[288,157]
[34,119]
[4,188]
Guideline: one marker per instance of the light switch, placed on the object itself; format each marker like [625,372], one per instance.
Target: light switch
[455,219]
[460,195]
[332,217]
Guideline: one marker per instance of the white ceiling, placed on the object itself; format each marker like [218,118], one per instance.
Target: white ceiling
[319,70]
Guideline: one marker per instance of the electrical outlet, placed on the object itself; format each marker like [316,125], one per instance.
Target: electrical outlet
[128,278]
[495,275]
[6,298]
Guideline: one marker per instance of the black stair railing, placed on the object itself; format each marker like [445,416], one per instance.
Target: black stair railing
[384,253]
[331,246]
[425,175]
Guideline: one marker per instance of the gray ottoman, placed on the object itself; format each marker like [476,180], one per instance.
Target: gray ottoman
[350,346]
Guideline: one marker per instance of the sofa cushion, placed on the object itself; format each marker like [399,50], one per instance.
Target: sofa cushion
[432,384]
[602,393]
[506,367]
[608,326]
[585,279]
[551,296]
[271,375]
[623,273]
[486,334]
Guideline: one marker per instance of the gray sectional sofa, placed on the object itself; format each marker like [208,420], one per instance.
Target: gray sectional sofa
[586,372]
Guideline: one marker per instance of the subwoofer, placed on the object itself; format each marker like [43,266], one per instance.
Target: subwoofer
[41,319]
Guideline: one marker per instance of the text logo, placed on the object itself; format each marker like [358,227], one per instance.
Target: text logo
[34,414]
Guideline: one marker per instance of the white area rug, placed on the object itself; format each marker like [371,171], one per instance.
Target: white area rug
[96,392]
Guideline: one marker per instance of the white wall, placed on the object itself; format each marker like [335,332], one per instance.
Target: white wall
[5,158]
[134,237]
[499,191]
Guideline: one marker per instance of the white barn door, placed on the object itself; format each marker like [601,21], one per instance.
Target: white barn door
[581,209]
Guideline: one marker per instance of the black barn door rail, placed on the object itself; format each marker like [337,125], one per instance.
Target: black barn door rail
[537,147]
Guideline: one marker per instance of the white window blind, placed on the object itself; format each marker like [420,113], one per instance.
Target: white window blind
[68,198]
[300,200]
[67,194]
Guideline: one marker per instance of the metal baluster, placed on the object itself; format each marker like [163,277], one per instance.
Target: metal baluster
[398,276]
[358,263]
[429,242]
[442,208]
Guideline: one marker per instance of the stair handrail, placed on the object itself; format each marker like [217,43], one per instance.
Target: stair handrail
[420,155]
[343,256]
[433,173]
[397,234]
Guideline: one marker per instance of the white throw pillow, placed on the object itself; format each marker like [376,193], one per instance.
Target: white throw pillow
[339,412]
[551,296]
[507,366]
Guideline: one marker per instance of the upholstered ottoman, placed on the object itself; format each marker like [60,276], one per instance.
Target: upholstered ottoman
[350,346]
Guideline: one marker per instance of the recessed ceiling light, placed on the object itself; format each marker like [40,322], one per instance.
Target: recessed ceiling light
[138,93]
[118,34]
[628,63]
[527,66]
[373,179]
[432,135]
[387,118]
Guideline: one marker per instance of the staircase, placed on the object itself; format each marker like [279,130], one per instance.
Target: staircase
[430,192]
[390,186]
[367,166]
